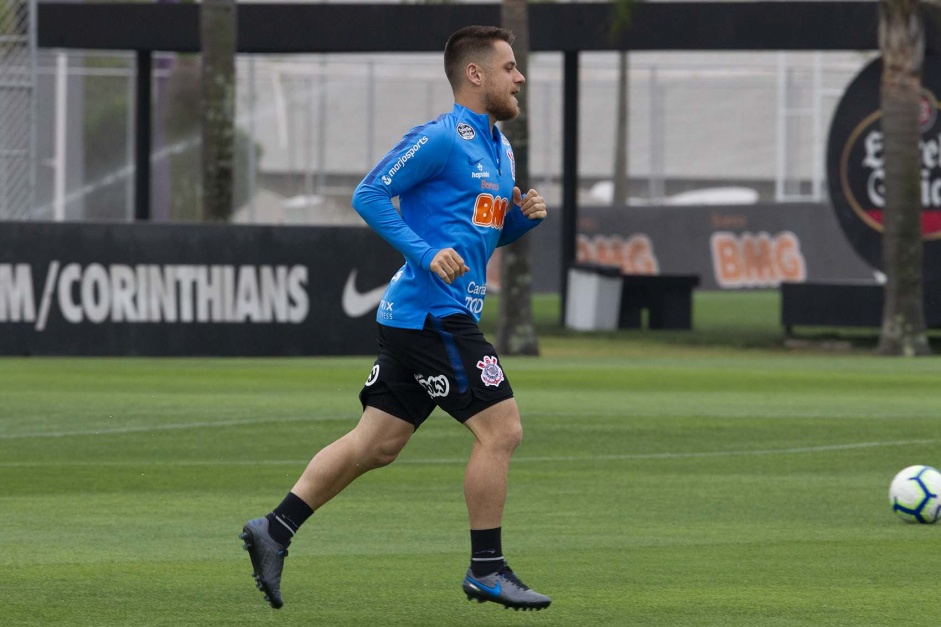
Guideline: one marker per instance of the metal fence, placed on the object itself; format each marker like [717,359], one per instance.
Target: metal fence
[17,107]
[310,126]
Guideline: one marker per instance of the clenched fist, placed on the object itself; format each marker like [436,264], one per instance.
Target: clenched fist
[533,205]
[448,265]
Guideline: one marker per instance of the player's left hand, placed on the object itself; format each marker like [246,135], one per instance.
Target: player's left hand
[533,206]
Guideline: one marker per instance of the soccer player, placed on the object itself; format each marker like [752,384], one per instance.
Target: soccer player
[455,180]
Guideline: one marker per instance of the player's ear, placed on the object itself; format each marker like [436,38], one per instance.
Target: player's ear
[472,72]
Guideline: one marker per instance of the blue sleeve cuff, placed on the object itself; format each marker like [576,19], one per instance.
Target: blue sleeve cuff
[516,226]
[427,258]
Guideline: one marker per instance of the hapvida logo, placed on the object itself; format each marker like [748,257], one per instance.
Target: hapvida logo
[481,173]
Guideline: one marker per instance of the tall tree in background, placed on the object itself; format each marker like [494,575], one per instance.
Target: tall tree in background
[217,30]
[622,118]
[516,333]
[902,41]
[622,17]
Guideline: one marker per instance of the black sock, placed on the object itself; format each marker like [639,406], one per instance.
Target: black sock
[287,518]
[486,551]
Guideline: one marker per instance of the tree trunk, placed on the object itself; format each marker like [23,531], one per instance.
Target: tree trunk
[516,333]
[217,29]
[901,38]
[619,197]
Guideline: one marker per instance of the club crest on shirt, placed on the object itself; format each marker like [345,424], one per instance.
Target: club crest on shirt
[490,371]
[509,153]
[466,131]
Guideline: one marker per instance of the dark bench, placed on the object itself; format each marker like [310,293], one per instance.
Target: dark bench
[595,304]
[845,305]
[668,299]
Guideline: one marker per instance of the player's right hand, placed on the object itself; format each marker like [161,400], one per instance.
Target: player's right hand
[448,265]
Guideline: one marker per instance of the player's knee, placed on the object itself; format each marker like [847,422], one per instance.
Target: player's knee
[508,437]
[498,429]
[514,435]
[383,454]
[379,461]
[384,458]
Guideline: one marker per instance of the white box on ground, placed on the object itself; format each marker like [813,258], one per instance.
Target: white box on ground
[594,298]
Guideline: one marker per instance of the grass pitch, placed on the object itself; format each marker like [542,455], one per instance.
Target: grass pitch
[714,478]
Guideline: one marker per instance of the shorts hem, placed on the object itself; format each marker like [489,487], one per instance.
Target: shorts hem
[476,406]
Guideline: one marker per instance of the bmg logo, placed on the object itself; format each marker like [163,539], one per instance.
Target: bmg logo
[490,211]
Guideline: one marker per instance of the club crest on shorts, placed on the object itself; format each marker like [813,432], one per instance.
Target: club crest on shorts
[490,371]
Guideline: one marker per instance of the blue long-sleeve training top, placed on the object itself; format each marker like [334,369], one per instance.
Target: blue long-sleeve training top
[454,179]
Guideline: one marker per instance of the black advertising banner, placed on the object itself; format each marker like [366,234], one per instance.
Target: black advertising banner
[729,247]
[173,289]
[855,164]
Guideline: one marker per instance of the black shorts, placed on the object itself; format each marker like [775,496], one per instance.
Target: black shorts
[447,364]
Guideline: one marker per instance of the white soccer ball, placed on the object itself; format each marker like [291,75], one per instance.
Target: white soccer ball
[915,495]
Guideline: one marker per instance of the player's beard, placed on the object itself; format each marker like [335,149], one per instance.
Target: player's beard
[503,107]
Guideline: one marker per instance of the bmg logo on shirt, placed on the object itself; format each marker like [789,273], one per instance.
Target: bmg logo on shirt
[490,211]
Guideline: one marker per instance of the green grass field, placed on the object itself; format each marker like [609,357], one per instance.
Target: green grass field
[707,478]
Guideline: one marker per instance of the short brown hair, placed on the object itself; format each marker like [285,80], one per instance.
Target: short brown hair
[471,43]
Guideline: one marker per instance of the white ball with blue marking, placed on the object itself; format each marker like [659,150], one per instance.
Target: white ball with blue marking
[915,495]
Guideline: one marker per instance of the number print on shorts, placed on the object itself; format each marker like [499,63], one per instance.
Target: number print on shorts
[373,375]
[435,386]
[490,371]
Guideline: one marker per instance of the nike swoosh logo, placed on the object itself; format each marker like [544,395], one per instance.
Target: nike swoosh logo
[491,590]
[472,161]
[356,303]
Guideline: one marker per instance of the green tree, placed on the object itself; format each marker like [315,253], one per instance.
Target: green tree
[217,29]
[902,42]
[622,18]
[180,117]
[516,333]
[622,117]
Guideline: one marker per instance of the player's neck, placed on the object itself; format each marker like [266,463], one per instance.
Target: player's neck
[474,105]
